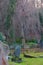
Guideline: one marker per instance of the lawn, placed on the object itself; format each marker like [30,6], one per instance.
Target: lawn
[30,61]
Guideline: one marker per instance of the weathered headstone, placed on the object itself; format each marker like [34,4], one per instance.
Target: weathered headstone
[41,43]
[17,53]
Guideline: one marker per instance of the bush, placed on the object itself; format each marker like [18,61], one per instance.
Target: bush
[33,41]
[18,40]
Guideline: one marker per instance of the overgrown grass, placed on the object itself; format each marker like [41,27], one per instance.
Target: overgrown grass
[30,61]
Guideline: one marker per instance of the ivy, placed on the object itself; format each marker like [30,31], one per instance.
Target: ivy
[41,19]
[10,13]
[41,22]
[8,22]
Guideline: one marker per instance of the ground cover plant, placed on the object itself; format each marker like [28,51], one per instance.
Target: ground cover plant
[30,61]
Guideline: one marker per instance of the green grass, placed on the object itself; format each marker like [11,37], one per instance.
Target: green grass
[30,61]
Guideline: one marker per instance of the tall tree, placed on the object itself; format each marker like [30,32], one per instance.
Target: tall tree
[8,22]
[41,23]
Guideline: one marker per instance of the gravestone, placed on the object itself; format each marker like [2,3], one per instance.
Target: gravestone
[17,53]
[41,43]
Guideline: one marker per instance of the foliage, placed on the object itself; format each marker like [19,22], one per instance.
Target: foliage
[19,41]
[11,34]
[2,37]
[31,41]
